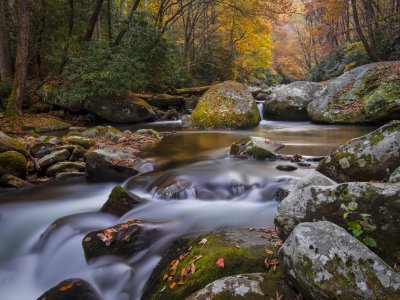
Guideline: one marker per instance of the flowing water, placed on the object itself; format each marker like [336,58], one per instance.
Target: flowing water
[196,187]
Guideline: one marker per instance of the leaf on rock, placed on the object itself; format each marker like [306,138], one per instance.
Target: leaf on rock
[173,285]
[203,242]
[269,252]
[66,287]
[183,272]
[165,277]
[220,262]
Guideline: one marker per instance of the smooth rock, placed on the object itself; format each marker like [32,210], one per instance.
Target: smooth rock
[42,149]
[7,143]
[10,181]
[255,148]
[53,158]
[121,201]
[65,166]
[71,289]
[13,163]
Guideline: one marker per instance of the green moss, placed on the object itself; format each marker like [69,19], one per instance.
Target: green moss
[117,193]
[80,141]
[13,163]
[142,102]
[9,144]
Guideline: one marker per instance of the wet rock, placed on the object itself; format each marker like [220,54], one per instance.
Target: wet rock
[395,177]
[120,240]
[7,143]
[108,132]
[121,109]
[286,168]
[243,251]
[369,211]
[367,94]
[13,163]
[53,158]
[289,102]
[85,143]
[282,192]
[10,181]
[191,103]
[77,289]
[66,166]
[256,286]
[78,154]
[66,176]
[121,201]
[324,262]
[104,165]
[42,149]
[255,148]
[374,156]
[226,105]
[314,178]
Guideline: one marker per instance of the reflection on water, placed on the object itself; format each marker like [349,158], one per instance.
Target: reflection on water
[42,229]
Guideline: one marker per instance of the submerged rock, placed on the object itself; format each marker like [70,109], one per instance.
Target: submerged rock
[69,289]
[289,102]
[7,143]
[256,286]
[255,148]
[120,240]
[369,211]
[367,94]
[226,105]
[121,201]
[13,163]
[121,109]
[374,156]
[190,262]
[324,262]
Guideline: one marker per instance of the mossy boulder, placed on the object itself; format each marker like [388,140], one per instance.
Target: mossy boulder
[13,163]
[126,109]
[122,240]
[374,156]
[71,289]
[255,148]
[43,123]
[121,201]
[53,158]
[367,94]
[369,211]
[62,167]
[102,132]
[7,143]
[395,177]
[289,102]
[255,286]
[226,105]
[324,262]
[190,264]
[41,149]
[78,154]
[12,182]
[85,143]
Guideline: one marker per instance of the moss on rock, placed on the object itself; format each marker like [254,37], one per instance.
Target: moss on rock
[7,143]
[13,163]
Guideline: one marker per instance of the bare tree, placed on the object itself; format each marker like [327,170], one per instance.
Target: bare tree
[5,58]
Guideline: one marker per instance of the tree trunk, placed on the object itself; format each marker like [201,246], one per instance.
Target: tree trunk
[19,93]
[71,14]
[125,26]
[371,53]
[369,12]
[109,21]
[5,58]
[93,20]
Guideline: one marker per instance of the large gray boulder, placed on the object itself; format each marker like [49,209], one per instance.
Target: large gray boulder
[324,262]
[7,143]
[367,94]
[255,148]
[369,211]
[121,109]
[289,102]
[226,105]
[374,156]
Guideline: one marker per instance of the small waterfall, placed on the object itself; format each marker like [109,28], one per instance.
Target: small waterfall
[260,109]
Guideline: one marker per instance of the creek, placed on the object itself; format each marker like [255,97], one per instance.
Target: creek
[41,229]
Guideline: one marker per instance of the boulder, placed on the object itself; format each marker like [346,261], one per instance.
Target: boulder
[226,105]
[41,149]
[108,132]
[374,156]
[314,178]
[9,144]
[190,263]
[13,163]
[105,165]
[395,177]
[78,154]
[121,201]
[121,109]
[256,286]
[162,101]
[65,166]
[12,182]
[367,94]
[286,168]
[323,262]
[67,176]
[85,143]
[53,158]
[71,289]
[289,102]
[122,240]
[369,211]
[255,148]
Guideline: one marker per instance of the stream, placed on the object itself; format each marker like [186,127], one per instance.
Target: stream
[42,228]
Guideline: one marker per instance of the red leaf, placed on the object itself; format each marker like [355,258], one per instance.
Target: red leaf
[220,262]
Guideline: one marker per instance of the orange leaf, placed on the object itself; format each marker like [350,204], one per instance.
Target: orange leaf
[191,269]
[172,285]
[66,287]
[181,282]
[183,272]
[220,262]
[174,267]
[269,252]
[165,277]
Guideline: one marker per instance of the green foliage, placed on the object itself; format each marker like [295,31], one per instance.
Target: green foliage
[370,242]
[5,91]
[144,61]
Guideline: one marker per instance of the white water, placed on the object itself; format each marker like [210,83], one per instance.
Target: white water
[42,229]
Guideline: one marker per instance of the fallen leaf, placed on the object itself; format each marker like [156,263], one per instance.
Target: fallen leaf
[190,248]
[203,242]
[196,258]
[172,285]
[183,272]
[181,282]
[269,252]
[220,262]
[278,244]
[165,277]
[237,246]
[66,287]
[191,269]
[174,267]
